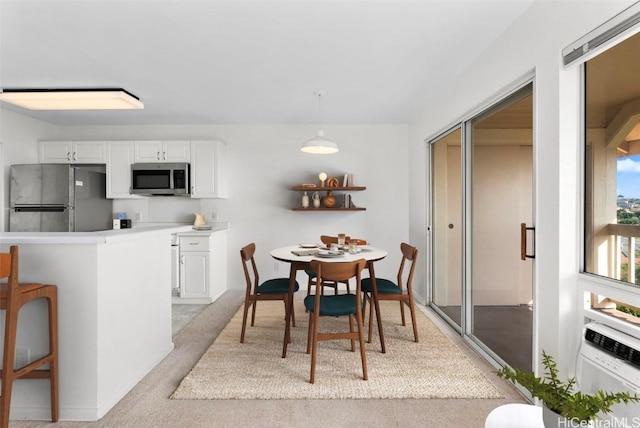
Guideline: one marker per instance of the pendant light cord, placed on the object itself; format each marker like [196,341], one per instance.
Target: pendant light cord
[319,98]
[319,93]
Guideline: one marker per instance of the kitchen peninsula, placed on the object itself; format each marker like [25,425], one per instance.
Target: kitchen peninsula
[114,314]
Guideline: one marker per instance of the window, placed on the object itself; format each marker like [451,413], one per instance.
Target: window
[612,171]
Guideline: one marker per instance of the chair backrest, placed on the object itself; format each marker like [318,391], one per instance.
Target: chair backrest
[328,240]
[409,253]
[338,271]
[246,254]
[9,269]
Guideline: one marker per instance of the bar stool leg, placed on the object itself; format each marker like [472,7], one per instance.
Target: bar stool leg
[53,349]
[7,367]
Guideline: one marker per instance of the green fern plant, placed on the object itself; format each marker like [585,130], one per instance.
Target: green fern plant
[560,397]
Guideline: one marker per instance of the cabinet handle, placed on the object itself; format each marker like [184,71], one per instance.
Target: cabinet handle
[164,155]
[69,156]
[158,155]
[181,259]
[75,156]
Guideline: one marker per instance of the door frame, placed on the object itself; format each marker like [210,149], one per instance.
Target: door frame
[464,123]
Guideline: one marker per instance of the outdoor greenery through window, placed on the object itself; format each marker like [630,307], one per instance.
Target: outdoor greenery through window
[612,170]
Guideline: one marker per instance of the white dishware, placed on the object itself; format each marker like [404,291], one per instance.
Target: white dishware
[309,245]
[329,253]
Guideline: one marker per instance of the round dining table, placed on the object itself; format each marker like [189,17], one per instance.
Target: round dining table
[299,258]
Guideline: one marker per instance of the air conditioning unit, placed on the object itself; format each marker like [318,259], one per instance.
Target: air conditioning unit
[610,360]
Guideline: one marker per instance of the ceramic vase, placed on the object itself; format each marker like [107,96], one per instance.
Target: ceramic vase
[316,200]
[329,200]
[305,200]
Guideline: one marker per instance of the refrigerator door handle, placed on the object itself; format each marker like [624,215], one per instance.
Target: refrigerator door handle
[47,209]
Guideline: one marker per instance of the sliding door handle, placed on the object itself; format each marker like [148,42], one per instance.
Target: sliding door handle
[523,241]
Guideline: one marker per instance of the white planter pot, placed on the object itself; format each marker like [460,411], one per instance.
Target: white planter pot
[553,420]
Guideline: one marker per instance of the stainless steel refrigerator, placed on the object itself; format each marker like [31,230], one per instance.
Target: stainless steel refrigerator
[58,198]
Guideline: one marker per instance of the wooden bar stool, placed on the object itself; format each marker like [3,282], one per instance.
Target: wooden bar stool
[13,296]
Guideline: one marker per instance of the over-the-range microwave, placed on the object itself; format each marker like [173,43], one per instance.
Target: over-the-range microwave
[166,179]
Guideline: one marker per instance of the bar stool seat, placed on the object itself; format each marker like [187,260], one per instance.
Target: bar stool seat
[13,296]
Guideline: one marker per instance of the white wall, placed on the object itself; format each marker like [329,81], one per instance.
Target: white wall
[19,135]
[264,162]
[533,44]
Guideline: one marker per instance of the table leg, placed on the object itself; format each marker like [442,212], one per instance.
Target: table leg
[376,303]
[292,289]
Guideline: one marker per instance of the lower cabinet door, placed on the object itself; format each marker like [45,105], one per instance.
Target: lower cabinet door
[194,274]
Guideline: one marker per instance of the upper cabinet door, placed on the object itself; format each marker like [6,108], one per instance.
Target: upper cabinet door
[176,151]
[54,151]
[162,151]
[208,177]
[148,151]
[119,160]
[89,152]
[72,152]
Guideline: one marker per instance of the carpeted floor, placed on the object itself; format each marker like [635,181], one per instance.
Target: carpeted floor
[431,368]
[148,405]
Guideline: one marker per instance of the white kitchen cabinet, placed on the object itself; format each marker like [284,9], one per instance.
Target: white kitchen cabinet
[119,160]
[208,169]
[194,270]
[203,266]
[88,152]
[162,151]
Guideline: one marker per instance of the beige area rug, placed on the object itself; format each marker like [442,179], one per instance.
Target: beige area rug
[432,368]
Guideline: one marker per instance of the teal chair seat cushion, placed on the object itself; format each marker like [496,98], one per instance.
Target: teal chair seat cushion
[384,286]
[277,285]
[310,272]
[333,306]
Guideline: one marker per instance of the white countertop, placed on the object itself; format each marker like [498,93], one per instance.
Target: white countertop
[102,236]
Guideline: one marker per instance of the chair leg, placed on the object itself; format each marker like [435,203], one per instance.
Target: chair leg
[310,332]
[370,317]
[53,350]
[314,350]
[309,283]
[253,311]
[7,367]
[364,303]
[293,311]
[351,330]
[413,317]
[244,319]
[363,354]
[402,312]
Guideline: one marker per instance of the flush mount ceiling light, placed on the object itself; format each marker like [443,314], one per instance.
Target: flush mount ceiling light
[319,145]
[72,99]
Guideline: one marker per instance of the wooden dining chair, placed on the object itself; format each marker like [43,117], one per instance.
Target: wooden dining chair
[14,295]
[338,305]
[271,289]
[389,290]
[311,275]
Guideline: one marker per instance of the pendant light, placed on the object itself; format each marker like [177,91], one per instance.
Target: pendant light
[319,145]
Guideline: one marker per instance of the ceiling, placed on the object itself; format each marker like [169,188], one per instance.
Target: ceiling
[247,62]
